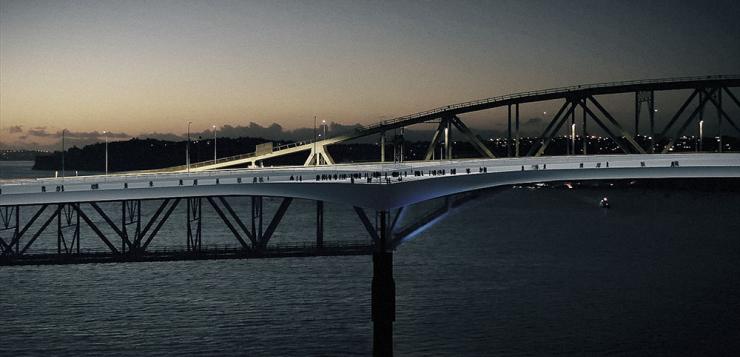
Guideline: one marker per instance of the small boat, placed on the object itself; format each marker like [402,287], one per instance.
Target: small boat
[604,203]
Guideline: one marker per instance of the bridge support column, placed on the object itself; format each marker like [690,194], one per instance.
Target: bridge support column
[652,122]
[67,217]
[585,132]
[319,224]
[319,156]
[448,135]
[508,137]
[130,215]
[257,219]
[194,212]
[572,132]
[649,98]
[383,306]
[516,138]
[637,113]
[719,121]
[382,147]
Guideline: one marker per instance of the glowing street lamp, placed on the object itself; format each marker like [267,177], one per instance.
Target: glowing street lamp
[214,144]
[63,130]
[187,149]
[701,134]
[573,138]
[106,151]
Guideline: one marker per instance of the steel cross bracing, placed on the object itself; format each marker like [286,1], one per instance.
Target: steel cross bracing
[135,239]
[448,117]
[137,232]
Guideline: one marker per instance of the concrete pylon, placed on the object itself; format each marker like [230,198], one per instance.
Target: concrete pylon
[321,154]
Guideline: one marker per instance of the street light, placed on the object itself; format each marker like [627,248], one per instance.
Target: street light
[316,156]
[63,130]
[323,124]
[187,149]
[701,134]
[106,152]
[214,144]
[573,138]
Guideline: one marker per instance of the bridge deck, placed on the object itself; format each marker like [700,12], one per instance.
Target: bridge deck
[389,185]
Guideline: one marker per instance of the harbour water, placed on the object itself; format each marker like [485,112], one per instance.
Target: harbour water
[519,272]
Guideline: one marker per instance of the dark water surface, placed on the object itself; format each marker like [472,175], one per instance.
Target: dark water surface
[520,272]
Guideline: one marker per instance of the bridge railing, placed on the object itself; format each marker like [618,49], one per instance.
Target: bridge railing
[233,157]
[215,248]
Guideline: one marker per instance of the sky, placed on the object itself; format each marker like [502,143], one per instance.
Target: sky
[136,68]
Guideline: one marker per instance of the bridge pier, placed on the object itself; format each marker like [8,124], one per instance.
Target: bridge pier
[67,217]
[194,212]
[319,224]
[508,136]
[382,147]
[257,220]
[448,135]
[719,121]
[585,132]
[130,214]
[383,305]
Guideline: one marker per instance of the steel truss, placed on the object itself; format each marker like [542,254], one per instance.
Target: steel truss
[600,115]
[444,130]
[135,232]
[705,96]
[605,121]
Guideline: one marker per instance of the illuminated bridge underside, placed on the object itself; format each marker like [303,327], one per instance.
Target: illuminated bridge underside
[384,192]
[707,91]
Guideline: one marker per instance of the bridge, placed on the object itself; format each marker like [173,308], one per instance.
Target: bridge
[379,193]
[705,92]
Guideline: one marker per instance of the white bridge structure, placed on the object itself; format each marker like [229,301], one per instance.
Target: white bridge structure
[379,186]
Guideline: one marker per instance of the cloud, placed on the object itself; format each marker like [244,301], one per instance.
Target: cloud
[161,136]
[42,138]
[39,131]
[15,129]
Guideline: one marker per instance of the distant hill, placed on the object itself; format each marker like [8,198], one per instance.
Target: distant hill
[20,155]
[137,154]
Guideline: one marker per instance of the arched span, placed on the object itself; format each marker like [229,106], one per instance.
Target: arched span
[706,88]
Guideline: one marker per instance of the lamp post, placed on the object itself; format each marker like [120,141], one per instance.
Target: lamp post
[106,152]
[315,154]
[573,138]
[187,149]
[63,130]
[323,124]
[701,135]
[214,144]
